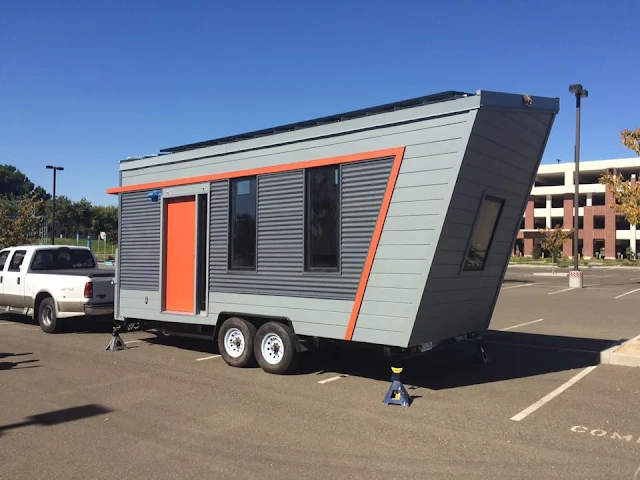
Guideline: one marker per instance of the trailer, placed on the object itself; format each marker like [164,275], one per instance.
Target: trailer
[389,227]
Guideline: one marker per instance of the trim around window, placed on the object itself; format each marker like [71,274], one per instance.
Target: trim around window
[483,233]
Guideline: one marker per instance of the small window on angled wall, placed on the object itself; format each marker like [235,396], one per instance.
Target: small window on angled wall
[483,232]
[322,219]
[243,224]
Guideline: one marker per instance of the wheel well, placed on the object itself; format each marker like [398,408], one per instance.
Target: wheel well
[39,298]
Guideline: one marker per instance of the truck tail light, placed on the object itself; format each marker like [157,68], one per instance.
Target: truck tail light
[88,290]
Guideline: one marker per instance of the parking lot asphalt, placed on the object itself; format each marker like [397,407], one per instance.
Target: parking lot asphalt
[170,408]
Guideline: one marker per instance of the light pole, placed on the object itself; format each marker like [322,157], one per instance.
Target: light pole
[53,206]
[575,277]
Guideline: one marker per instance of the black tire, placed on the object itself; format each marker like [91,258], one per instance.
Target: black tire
[47,318]
[235,342]
[279,355]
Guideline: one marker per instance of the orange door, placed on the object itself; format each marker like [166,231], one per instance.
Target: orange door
[180,250]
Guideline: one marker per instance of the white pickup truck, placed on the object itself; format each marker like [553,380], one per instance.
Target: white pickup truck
[51,283]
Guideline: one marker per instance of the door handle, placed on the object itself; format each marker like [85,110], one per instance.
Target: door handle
[18,280]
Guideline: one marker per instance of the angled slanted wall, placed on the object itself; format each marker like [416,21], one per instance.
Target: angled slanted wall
[501,159]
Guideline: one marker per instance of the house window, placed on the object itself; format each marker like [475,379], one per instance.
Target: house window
[483,232]
[242,238]
[322,218]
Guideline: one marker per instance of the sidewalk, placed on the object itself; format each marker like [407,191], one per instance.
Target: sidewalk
[626,354]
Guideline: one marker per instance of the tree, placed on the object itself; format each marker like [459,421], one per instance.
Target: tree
[553,241]
[15,184]
[631,139]
[20,225]
[626,196]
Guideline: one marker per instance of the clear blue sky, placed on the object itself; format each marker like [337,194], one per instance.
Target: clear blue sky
[84,84]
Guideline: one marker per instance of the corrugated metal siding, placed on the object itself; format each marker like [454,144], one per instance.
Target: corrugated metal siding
[281,234]
[139,242]
[502,155]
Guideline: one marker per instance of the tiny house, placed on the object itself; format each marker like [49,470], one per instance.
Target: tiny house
[390,226]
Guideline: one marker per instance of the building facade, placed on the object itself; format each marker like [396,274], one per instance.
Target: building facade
[601,233]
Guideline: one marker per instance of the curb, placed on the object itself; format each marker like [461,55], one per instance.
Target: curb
[622,354]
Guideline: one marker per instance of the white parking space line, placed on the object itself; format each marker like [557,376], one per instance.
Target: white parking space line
[7,323]
[207,358]
[520,325]
[560,291]
[517,286]
[627,293]
[572,381]
[332,379]
[132,341]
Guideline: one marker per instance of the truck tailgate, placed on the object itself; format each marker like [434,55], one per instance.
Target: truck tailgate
[103,289]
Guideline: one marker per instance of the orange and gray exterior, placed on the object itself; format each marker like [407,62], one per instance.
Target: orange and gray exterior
[425,184]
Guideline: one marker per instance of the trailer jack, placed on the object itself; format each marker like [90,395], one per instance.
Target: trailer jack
[397,394]
[116,343]
[481,355]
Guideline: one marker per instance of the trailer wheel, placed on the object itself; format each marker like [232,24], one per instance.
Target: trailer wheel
[47,316]
[235,342]
[275,348]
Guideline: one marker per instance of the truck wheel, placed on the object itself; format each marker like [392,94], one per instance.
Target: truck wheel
[47,316]
[235,342]
[274,348]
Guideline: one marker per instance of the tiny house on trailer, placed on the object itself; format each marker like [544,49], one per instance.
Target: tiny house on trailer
[390,226]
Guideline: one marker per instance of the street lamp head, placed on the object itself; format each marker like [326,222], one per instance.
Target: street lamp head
[577,90]
[51,167]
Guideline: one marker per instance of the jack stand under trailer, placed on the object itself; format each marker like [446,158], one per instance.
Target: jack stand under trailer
[397,394]
[116,343]
[481,355]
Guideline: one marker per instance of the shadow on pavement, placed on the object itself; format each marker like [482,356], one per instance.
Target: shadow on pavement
[8,365]
[184,343]
[512,356]
[56,417]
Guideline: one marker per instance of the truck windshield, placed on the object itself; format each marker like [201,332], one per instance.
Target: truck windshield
[62,259]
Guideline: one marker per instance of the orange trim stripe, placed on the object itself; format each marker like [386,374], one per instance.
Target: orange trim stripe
[375,240]
[397,153]
[391,152]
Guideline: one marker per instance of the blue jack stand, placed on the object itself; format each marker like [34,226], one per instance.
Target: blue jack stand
[397,394]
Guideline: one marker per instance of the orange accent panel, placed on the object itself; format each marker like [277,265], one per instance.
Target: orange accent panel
[180,238]
[391,152]
[375,239]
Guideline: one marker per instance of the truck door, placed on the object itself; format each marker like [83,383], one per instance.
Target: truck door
[13,280]
[4,255]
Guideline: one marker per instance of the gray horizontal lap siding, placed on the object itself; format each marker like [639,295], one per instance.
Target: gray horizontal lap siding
[280,261]
[139,243]
[501,157]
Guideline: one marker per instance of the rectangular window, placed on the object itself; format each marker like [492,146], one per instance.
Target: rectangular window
[16,260]
[243,226]
[483,232]
[62,259]
[3,258]
[322,218]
